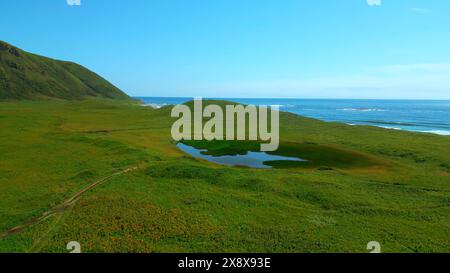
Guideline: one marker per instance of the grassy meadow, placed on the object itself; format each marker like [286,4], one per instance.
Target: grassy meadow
[360,184]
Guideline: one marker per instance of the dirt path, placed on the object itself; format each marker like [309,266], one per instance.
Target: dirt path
[63,206]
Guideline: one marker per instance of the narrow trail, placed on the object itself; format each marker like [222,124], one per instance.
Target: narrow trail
[63,206]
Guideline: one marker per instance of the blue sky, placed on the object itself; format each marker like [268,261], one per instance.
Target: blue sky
[396,49]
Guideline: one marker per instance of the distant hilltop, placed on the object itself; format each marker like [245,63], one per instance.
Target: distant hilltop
[28,76]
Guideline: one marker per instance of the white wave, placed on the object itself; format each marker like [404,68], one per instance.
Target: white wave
[439,132]
[155,105]
[391,128]
[436,132]
[282,105]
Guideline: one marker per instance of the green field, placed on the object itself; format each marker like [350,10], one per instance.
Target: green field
[360,184]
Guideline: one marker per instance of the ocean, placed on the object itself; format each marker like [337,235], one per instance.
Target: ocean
[430,116]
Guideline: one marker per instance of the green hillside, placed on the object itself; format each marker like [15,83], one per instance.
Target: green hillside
[28,76]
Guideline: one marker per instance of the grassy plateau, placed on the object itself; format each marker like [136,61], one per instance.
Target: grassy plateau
[360,184]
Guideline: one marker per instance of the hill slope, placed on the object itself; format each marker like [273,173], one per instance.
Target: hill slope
[28,76]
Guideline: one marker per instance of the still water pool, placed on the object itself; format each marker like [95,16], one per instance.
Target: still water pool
[251,159]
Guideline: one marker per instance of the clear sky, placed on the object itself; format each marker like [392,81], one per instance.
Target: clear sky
[246,48]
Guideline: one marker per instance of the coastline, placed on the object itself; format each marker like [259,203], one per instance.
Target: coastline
[345,118]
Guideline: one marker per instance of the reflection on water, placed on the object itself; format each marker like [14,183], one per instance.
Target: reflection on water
[251,159]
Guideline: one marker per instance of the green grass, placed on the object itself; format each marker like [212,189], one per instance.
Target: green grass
[361,184]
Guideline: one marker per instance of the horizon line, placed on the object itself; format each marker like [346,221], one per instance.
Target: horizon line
[287,98]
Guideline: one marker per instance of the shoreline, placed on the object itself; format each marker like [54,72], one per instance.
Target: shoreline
[156,105]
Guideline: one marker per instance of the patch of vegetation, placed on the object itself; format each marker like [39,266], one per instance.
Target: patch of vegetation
[223,147]
[446,166]
[183,171]
[316,156]
[361,184]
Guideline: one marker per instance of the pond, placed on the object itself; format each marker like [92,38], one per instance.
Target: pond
[251,159]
